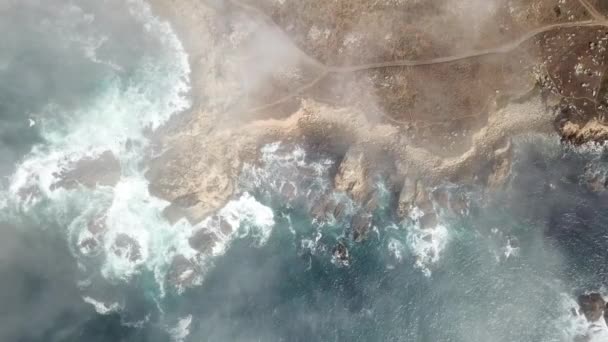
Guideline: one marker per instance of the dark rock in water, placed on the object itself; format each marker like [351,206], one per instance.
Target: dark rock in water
[127,247]
[203,240]
[323,208]
[340,254]
[339,211]
[592,306]
[596,183]
[361,225]
[90,172]
[97,227]
[182,272]
[88,245]
[414,194]
[225,226]
[97,224]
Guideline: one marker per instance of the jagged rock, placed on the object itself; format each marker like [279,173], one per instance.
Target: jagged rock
[596,182]
[407,197]
[203,241]
[323,208]
[88,245]
[97,227]
[415,195]
[328,207]
[340,254]
[424,202]
[353,176]
[360,225]
[594,131]
[127,247]
[182,272]
[340,211]
[90,172]
[592,306]
[501,167]
[225,227]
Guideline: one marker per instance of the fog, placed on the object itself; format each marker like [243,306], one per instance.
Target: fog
[56,55]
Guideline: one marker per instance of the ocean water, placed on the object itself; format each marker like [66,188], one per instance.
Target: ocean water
[83,77]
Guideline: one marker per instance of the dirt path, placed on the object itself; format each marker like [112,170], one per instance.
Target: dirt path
[599,20]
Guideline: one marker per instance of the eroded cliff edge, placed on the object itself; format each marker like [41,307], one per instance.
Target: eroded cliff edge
[434,89]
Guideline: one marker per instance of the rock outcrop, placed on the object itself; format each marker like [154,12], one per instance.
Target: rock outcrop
[103,170]
[354,176]
[369,85]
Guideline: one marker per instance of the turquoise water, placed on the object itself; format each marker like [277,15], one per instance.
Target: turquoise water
[75,85]
[283,292]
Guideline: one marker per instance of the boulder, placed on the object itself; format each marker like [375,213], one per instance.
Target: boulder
[340,254]
[127,247]
[360,225]
[182,272]
[203,240]
[328,207]
[592,305]
[353,176]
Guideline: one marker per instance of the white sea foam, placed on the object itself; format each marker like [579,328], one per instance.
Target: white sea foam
[246,216]
[282,164]
[101,307]
[181,329]
[121,111]
[135,236]
[252,218]
[426,244]
[396,249]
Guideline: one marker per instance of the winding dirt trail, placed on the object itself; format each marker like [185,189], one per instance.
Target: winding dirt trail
[503,48]
[598,20]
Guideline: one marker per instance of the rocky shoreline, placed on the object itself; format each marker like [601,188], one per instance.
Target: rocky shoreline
[387,100]
[298,96]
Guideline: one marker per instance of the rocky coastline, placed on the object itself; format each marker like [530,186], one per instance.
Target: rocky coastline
[515,79]
[416,105]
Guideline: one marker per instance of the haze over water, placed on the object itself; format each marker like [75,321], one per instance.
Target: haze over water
[81,78]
